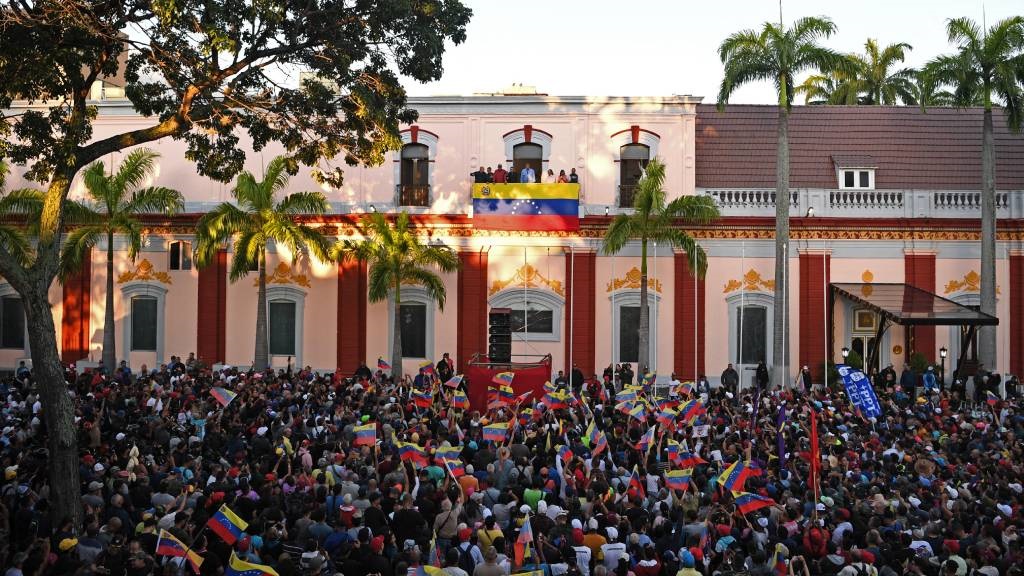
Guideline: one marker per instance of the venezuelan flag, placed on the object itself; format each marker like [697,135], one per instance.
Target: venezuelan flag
[427,570]
[227,524]
[627,395]
[688,460]
[454,381]
[747,502]
[496,432]
[635,482]
[733,477]
[638,411]
[460,401]
[408,451]
[666,417]
[556,400]
[565,453]
[448,452]
[422,399]
[238,567]
[366,435]
[678,479]
[526,206]
[691,411]
[222,395]
[382,365]
[455,467]
[168,545]
[427,367]
[503,378]
[646,441]
[990,398]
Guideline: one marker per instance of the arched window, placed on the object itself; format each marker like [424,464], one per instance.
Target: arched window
[750,322]
[528,154]
[417,319]
[536,314]
[633,158]
[415,175]
[626,326]
[143,324]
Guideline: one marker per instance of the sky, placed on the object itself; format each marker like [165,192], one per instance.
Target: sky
[666,47]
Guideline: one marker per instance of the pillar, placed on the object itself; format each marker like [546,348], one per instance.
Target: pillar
[919,271]
[351,325]
[211,311]
[1016,317]
[471,335]
[580,308]
[74,324]
[815,274]
[689,307]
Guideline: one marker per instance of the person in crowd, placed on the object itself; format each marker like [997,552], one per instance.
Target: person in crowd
[730,379]
[761,378]
[351,472]
[480,176]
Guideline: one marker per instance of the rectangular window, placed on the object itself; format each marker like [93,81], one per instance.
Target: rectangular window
[281,316]
[12,334]
[751,331]
[143,324]
[181,256]
[629,334]
[538,321]
[865,179]
[848,179]
[413,318]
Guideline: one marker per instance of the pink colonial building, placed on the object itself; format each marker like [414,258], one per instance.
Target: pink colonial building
[880,196]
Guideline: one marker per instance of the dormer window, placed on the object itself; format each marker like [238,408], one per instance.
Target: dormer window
[855,172]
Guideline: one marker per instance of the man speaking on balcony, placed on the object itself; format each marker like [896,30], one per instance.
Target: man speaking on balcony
[527,175]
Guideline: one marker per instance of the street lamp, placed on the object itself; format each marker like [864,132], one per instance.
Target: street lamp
[846,352]
[942,356]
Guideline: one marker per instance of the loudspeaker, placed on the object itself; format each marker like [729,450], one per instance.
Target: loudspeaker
[499,338]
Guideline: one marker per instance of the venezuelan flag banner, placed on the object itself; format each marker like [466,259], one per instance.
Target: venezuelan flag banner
[678,479]
[168,545]
[226,524]
[238,567]
[526,206]
[747,502]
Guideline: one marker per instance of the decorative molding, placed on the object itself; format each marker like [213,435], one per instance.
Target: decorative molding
[971,282]
[867,277]
[751,282]
[283,274]
[527,277]
[144,272]
[631,281]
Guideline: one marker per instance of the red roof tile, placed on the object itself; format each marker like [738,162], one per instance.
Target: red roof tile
[937,150]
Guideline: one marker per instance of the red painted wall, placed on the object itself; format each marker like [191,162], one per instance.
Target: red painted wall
[919,271]
[687,319]
[581,305]
[814,325]
[74,325]
[211,302]
[351,337]
[471,337]
[1016,319]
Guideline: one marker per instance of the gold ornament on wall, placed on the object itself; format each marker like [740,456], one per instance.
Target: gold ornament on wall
[867,277]
[527,277]
[751,282]
[632,281]
[971,282]
[144,272]
[284,274]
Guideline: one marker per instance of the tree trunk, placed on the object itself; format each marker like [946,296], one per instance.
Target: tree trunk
[644,353]
[780,346]
[261,357]
[987,336]
[109,342]
[58,411]
[396,344]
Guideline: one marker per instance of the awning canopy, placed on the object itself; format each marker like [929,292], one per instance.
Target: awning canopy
[909,306]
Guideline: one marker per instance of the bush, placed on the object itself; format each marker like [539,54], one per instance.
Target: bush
[918,363]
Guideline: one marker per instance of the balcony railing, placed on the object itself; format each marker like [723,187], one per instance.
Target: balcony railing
[413,195]
[626,193]
[867,203]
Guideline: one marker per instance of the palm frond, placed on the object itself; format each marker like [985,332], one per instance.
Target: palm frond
[429,280]
[216,227]
[622,229]
[380,280]
[303,203]
[97,185]
[136,167]
[16,243]
[77,244]
[154,200]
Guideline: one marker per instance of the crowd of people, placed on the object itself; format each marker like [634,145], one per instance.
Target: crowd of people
[525,175]
[352,473]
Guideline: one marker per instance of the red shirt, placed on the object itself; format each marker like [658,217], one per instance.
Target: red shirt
[500,176]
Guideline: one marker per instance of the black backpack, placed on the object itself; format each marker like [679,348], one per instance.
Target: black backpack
[466,561]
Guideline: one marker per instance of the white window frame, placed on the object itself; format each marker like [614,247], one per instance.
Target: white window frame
[7,290]
[185,246]
[632,298]
[413,295]
[536,137]
[513,299]
[841,178]
[298,297]
[143,289]
[758,299]
[430,141]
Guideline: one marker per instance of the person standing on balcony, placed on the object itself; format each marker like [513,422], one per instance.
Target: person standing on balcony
[480,176]
[574,178]
[527,175]
[562,178]
[550,178]
[490,175]
[500,175]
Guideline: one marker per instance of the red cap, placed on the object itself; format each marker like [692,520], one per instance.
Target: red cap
[464,534]
[377,544]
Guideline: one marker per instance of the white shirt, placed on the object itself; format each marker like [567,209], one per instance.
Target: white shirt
[583,555]
[612,552]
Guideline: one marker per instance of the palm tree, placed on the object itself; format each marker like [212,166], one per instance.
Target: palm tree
[828,88]
[930,93]
[252,222]
[988,65]
[115,202]
[654,220]
[397,257]
[778,54]
[874,80]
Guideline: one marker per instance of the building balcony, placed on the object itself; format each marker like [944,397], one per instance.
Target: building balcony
[412,195]
[866,203]
[626,194]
